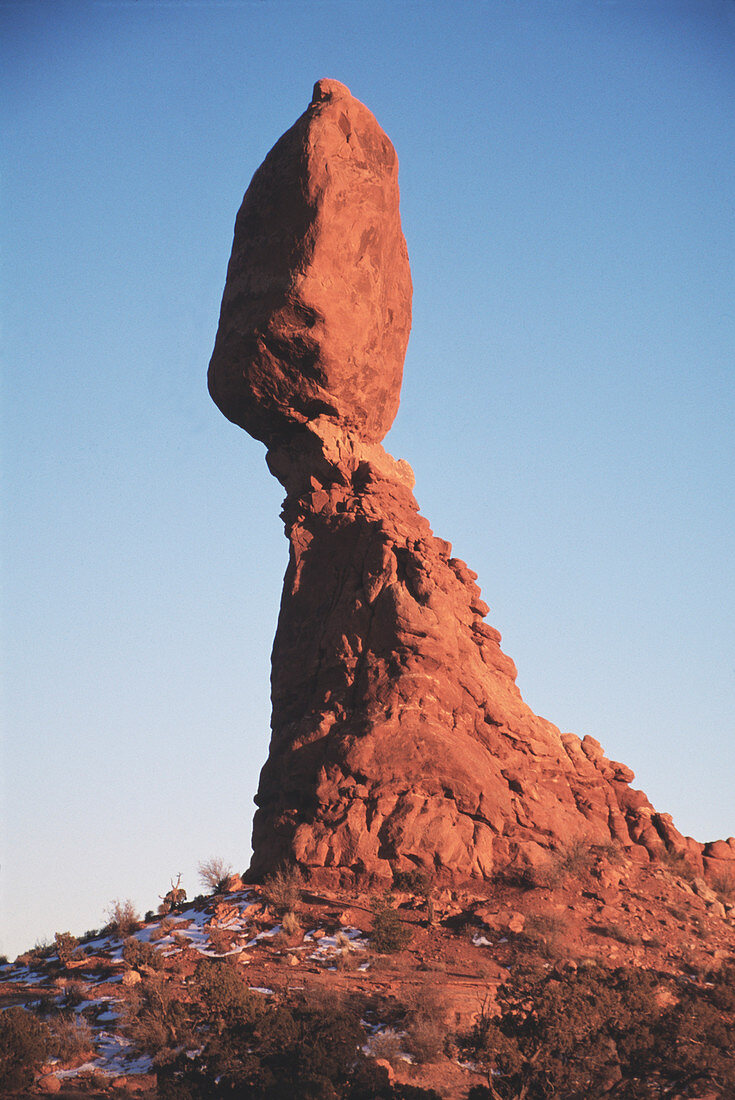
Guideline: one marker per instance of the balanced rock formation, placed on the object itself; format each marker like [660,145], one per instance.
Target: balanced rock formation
[399,736]
[317,305]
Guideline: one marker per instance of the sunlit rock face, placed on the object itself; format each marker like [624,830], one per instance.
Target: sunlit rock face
[317,306]
[399,736]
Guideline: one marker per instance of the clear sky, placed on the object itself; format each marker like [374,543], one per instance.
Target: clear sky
[568,201]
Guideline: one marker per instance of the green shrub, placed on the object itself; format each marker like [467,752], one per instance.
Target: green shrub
[24,1045]
[413,882]
[66,947]
[223,994]
[583,1034]
[286,1051]
[136,954]
[156,1021]
[389,933]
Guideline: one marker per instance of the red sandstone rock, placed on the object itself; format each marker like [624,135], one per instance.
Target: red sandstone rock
[317,306]
[400,738]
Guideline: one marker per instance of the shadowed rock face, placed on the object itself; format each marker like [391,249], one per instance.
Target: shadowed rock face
[317,306]
[399,736]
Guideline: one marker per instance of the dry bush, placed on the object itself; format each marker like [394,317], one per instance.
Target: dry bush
[426,1040]
[347,960]
[165,928]
[547,933]
[283,889]
[678,863]
[574,860]
[612,851]
[221,939]
[71,1037]
[122,917]
[387,1045]
[620,933]
[155,1021]
[723,884]
[214,874]
[74,994]
[290,923]
[426,1028]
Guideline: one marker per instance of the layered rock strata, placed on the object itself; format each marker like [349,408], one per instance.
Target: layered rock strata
[399,736]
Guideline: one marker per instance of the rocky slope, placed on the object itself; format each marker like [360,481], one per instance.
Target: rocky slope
[125,996]
[399,736]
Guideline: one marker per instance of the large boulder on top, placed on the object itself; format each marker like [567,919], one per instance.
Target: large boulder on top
[316,310]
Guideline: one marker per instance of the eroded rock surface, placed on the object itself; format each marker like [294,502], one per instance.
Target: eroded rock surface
[317,306]
[399,736]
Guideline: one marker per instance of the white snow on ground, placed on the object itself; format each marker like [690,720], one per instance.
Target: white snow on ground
[190,928]
[327,947]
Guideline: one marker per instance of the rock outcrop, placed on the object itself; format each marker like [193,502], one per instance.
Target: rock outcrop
[317,306]
[399,736]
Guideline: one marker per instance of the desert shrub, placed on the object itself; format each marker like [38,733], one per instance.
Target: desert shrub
[389,934]
[678,863]
[413,882]
[611,850]
[223,994]
[214,874]
[283,888]
[66,947]
[122,917]
[370,1082]
[387,1044]
[155,1019]
[421,885]
[73,994]
[426,1028]
[290,923]
[24,1044]
[426,1040]
[136,954]
[598,1032]
[721,991]
[165,928]
[574,860]
[546,932]
[724,884]
[221,939]
[175,897]
[618,932]
[37,955]
[287,1051]
[70,1036]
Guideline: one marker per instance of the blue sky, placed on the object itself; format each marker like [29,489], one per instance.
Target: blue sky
[567,198]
